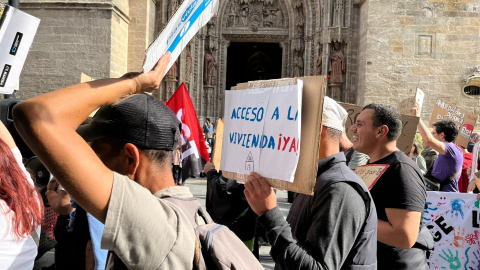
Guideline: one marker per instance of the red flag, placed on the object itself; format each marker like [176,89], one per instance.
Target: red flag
[194,149]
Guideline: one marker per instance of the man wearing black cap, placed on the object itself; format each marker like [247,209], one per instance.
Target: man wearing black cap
[132,140]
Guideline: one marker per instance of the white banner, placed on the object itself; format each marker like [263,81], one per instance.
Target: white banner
[453,219]
[262,131]
[184,24]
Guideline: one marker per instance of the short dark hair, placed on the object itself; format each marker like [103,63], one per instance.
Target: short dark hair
[448,128]
[208,119]
[161,158]
[386,115]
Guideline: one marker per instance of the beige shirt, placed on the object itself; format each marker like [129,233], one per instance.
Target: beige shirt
[146,232]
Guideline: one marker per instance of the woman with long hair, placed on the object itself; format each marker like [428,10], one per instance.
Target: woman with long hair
[415,156]
[21,210]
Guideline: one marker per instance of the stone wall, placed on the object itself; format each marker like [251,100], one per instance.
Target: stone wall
[431,44]
[140,32]
[73,37]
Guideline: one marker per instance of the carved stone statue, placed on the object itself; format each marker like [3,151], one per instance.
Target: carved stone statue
[210,68]
[337,65]
[172,7]
[267,18]
[298,65]
[172,72]
[319,62]
[244,15]
[188,64]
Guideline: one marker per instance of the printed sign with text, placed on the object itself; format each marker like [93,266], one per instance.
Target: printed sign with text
[464,120]
[190,17]
[262,131]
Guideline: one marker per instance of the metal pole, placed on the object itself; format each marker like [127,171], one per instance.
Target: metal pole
[15,4]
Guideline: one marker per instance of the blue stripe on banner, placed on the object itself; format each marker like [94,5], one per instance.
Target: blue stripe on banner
[189,24]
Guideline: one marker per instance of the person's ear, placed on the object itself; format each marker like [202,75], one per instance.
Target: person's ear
[133,158]
[383,131]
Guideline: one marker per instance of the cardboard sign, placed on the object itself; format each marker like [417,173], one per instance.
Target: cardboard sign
[190,17]
[409,123]
[371,173]
[261,125]
[464,120]
[85,78]
[217,148]
[17,30]
[312,107]
[406,105]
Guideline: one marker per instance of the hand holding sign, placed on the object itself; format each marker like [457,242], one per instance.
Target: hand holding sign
[190,17]
[150,81]
[415,110]
[259,194]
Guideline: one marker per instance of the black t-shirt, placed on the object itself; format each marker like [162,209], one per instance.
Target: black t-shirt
[400,187]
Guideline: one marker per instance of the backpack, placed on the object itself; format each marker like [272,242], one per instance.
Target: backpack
[216,247]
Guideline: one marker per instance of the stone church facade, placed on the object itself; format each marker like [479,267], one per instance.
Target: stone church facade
[373,50]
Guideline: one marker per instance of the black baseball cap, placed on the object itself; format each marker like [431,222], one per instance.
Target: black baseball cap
[138,119]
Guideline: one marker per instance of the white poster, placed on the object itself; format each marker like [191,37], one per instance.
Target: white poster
[454,221]
[262,131]
[419,96]
[190,17]
[17,30]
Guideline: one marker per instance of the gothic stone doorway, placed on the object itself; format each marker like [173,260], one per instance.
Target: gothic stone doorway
[252,61]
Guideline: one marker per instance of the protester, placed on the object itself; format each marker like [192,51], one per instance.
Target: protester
[208,131]
[474,138]
[227,205]
[399,194]
[21,210]
[74,248]
[448,166]
[417,158]
[429,154]
[464,177]
[134,137]
[335,228]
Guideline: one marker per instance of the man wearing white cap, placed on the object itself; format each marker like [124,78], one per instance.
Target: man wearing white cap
[334,229]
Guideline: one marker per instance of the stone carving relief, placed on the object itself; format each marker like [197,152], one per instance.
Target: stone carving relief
[172,7]
[298,64]
[318,70]
[210,68]
[254,14]
[338,13]
[188,64]
[336,65]
[172,72]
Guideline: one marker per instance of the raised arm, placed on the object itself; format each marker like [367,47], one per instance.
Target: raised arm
[48,125]
[426,135]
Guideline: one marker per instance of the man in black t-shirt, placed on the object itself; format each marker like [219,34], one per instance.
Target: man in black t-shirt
[399,194]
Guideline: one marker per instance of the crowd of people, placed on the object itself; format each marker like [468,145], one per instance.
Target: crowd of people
[116,171]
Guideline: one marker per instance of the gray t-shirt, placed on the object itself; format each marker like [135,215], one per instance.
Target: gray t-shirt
[146,232]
